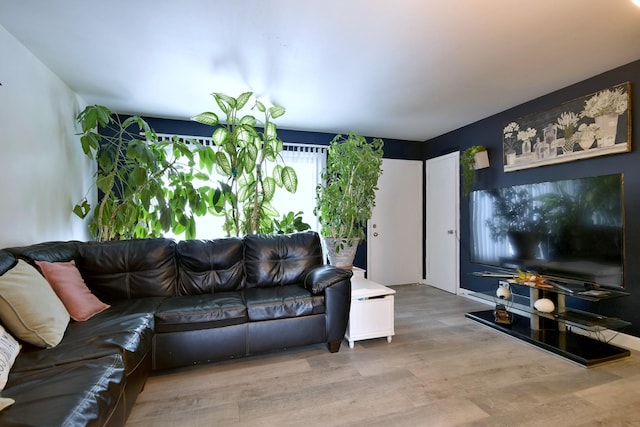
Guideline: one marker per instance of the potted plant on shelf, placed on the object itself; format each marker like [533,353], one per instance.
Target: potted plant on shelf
[345,202]
[474,157]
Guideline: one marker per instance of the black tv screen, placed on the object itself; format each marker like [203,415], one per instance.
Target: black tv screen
[570,230]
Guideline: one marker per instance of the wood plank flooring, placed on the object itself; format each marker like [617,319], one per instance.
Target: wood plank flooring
[440,370]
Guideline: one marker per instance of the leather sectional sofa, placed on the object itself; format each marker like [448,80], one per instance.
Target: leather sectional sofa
[172,305]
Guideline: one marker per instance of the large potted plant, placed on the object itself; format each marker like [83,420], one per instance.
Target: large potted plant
[244,149]
[345,201]
[146,186]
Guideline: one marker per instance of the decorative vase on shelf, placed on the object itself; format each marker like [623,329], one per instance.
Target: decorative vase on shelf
[541,149]
[586,141]
[511,157]
[608,124]
[568,143]
[526,146]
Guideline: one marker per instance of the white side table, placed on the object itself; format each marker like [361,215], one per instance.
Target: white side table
[371,314]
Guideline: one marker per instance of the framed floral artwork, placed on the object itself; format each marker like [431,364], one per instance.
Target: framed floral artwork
[593,125]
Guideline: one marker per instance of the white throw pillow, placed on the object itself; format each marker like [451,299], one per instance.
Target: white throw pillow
[9,349]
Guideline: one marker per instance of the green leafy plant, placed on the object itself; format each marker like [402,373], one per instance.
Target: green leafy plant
[146,187]
[468,163]
[290,223]
[346,200]
[248,189]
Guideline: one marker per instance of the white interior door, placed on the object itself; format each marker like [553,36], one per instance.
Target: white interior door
[442,221]
[394,232]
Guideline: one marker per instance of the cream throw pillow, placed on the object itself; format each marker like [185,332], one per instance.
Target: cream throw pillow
[9,349]
[5,402]
[29,308]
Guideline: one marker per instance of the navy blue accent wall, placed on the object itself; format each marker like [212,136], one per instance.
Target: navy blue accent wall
[488,132]
[393,149]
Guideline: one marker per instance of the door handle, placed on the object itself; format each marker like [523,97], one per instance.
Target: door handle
[375,234]
[449,231]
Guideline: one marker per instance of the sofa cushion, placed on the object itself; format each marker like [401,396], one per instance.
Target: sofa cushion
[47,251]
[281,259]
[207,266]
[125,329]
[83,393]
[194,312]
[281,302]
[123,269]
[29,308]
[69,286]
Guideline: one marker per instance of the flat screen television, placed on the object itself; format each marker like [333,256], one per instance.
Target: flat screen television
[569,230]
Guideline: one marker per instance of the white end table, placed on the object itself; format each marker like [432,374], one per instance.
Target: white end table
[371,314]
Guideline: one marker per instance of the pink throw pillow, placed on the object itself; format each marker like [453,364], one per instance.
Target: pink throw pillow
[68,284]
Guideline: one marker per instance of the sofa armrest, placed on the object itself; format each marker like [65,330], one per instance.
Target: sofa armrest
[318,279]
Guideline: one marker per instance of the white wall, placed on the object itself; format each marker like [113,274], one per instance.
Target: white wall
[43,171]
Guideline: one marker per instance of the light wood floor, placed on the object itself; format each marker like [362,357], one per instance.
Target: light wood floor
[440,370]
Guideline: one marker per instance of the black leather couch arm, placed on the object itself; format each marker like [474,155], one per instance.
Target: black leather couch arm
[318,279]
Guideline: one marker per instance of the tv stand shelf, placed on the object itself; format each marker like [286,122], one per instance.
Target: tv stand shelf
[578,318]
[552,331]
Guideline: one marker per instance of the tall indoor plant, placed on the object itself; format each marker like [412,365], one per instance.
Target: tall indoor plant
[244,150]
[346,200]
[146,186]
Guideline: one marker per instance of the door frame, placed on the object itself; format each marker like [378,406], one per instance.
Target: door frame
[455,178]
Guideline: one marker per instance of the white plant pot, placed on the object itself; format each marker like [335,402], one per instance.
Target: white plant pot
[481,160]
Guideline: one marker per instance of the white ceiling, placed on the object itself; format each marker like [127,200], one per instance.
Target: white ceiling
[405,69]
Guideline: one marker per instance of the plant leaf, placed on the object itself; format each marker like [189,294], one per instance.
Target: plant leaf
[248,120]
[289,179]
[277,175]
[207,118]
[242,100]
[268,188]
[220,135]
[276,111]
[225,102]
[105,183]
[223,164]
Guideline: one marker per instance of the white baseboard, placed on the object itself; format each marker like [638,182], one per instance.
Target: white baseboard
[629,342]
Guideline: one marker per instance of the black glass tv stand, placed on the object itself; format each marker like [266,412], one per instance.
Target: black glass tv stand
[570,333]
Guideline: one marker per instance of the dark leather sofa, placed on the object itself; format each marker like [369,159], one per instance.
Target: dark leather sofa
[172,304]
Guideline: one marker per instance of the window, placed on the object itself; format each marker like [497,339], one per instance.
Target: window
[308,161]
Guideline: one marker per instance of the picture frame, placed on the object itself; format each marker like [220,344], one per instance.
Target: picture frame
[593,125]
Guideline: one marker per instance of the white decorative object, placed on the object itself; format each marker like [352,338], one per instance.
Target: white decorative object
[608,125]
[544,305]
[503,292]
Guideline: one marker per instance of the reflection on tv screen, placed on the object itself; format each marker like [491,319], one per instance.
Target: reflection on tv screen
[570,229]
